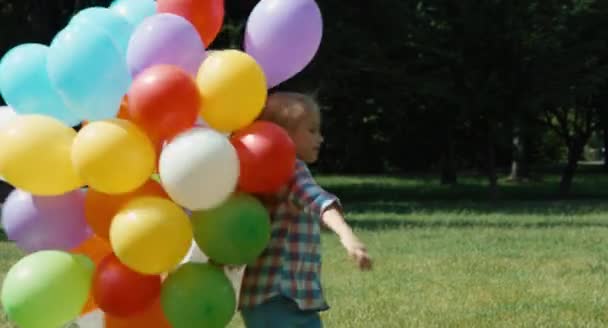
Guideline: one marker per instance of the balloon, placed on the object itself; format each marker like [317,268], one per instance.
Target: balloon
[96,249]
[113,24]
[89,306]
[121,291]
[165,39]
[164,101]
[88,71]
[151,235]
[199,169]
[151,317]
[6,115]
[134,11]
[283,37]
[25,84]
[223,76]
[38,223]
[100,208]
[113,156]
[235,232]
[198,295]
[35,155]
[206,15]
[267,156]
[46,289]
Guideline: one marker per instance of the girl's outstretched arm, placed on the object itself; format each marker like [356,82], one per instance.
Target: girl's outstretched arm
[333,218]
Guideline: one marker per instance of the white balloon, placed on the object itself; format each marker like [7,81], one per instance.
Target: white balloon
[6,115]
[199,169]
[94,319]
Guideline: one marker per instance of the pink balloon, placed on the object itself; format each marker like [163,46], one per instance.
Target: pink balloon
[283,37]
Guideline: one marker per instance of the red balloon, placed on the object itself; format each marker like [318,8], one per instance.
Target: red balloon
[207,16]
[122,292]
[164,101]
[152,317]
[267,156]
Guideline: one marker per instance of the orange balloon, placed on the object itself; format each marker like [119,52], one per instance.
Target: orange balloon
[100,208]
[123,112]
[164,101]
[152,317]
[207,16]
[96,249]
[90,305]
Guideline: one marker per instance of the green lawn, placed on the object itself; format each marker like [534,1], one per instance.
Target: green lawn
[448,257]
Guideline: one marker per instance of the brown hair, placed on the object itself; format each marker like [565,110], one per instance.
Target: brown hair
[287,109]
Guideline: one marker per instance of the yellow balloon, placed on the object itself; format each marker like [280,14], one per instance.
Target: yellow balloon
[151,235]
[233,89]
[113,156]
[35,155]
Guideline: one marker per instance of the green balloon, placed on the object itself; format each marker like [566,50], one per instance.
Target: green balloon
[47,288]
[235,232]
[198,295]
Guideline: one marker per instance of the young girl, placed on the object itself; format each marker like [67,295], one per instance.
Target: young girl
[283,287]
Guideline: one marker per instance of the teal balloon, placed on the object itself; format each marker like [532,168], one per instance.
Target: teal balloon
[88,71]
[47,289]
[198,295]
[236,232]
[116,26]
[25,84]
[135,11]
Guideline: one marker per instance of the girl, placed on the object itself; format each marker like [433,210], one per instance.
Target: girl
[283,287]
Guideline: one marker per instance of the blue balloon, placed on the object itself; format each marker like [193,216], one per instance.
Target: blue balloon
[88,71]
[135,11]
[116,26]
[25,84]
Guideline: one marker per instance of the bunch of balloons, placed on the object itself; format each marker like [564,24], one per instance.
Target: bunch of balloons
[169,158]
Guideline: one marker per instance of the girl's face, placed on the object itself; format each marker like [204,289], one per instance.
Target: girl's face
[307,137]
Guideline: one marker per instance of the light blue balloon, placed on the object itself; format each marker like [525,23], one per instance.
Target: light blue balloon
[116,26]
[88,71]
[25,84]
[135,11]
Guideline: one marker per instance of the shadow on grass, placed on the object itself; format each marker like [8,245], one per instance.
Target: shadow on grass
[393,224]
[447,207]
[373,191]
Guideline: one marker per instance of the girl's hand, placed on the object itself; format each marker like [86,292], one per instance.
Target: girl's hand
[358,252]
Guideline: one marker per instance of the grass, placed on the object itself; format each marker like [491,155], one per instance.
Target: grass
[448,257]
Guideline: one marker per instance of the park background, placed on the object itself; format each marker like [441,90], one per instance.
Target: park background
[466,140]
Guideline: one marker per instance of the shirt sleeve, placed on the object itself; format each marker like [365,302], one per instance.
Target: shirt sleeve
[307,194]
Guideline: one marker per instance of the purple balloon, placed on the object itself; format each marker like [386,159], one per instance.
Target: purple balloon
[45,222]
[165,39]
[283,36]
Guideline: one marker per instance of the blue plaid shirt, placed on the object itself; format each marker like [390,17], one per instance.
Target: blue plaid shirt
[290,265]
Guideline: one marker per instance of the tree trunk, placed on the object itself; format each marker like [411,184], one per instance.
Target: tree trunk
[575,150]
[448,165]
[604,123]
[520,168]
[491,159]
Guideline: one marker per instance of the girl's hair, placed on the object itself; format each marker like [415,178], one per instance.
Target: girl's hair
[288,109]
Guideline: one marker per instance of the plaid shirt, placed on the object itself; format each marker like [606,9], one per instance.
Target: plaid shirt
[290,265]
